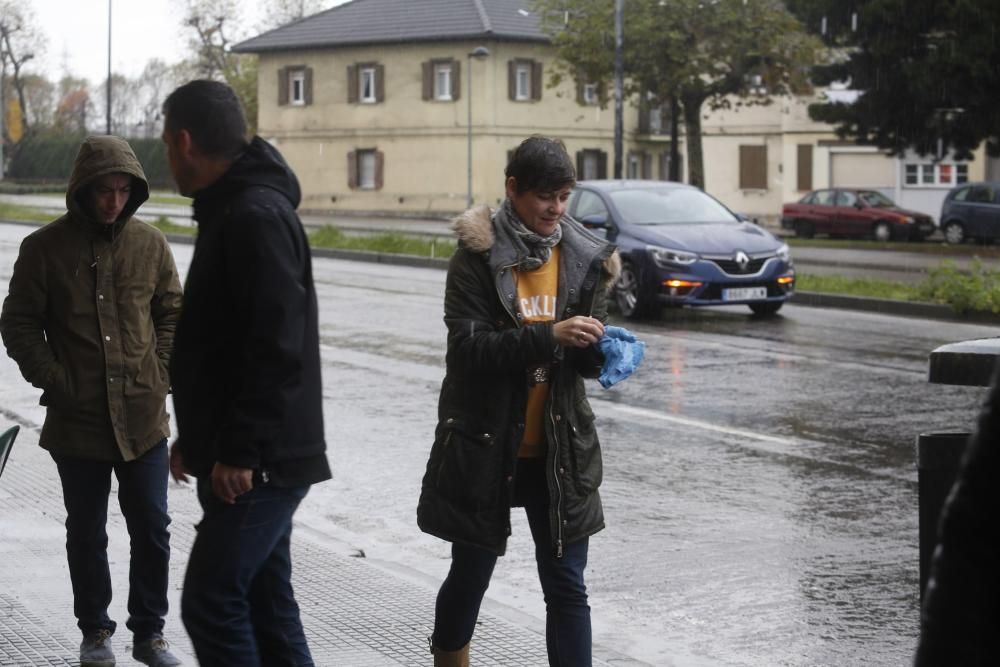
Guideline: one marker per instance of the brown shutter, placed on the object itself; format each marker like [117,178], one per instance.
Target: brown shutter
[647,166]
[456,79]
[379,83]
[602,164]
[427,85]
[282,86]
[579,164]
[352,84]
[579,88]
[308,85]
[379,164]
[804,165]
[536,80]
[753,167]
[352,170]
[512,79]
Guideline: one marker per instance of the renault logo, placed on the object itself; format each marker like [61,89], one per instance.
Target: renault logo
[741,260]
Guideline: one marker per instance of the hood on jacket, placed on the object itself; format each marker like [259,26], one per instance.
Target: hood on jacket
[474,230]
[99,156]
[259,165]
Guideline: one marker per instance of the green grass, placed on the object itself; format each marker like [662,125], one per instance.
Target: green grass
[15,212]
[393,243]
[926,247]
[167,198]
[167,227]
[877,289]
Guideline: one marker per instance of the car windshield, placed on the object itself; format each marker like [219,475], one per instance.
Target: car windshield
[669,206]
[876,199]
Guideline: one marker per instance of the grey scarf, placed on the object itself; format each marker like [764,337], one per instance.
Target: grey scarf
[532,249]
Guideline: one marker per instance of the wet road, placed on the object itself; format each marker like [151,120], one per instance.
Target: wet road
[760,489]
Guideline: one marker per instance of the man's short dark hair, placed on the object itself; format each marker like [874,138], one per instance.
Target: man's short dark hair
[541,164]
[211,112]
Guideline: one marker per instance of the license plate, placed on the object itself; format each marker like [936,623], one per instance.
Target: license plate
[744,293]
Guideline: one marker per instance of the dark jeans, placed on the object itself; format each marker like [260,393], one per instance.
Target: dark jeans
[567,615]
[142,496]
[238,606]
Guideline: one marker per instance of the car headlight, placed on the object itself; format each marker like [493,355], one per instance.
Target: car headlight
[668,257]
[783,253]
[908,220]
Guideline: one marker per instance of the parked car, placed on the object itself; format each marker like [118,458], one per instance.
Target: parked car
[971,210]
[853,212]
[682,247]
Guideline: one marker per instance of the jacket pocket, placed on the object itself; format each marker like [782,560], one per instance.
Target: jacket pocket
[466,469]
[58,392]
[584,449]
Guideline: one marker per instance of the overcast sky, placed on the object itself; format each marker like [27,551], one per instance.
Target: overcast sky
[77,32]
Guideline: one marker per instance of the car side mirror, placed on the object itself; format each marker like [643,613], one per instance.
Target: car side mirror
[595,220]
[859,204]
[743,217]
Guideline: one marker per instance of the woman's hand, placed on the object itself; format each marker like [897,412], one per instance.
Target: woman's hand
[579,331]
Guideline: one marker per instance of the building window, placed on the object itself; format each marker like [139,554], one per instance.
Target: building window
[524,80]
[753,167]
[931,174]
[365,83]
[591,164]
[442,81]
[364,169]
[665,167]
[590,97]
[295,86]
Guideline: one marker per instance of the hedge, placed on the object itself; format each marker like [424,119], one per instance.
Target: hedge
[50,160]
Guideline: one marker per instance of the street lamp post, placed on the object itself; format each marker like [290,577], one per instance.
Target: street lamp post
[479,52]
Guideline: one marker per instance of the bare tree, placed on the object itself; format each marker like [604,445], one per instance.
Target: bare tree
[20,42]
[281,12]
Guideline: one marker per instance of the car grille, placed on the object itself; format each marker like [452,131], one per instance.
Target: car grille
[732,268]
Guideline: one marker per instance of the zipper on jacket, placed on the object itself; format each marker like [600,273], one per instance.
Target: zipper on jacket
[555,475]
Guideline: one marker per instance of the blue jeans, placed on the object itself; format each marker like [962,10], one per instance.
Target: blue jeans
[567,614]
[142,496]
[238,605]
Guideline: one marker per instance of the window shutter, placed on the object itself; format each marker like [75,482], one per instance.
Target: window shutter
[308,85]
[804,166]
[427,82]
[352,85]
[456,79]
[379,83]
[282,86]
[352,170]
[579,164]
[602,164]
[511,80]
[644,118]
[379,164]
[753,167]
[536,80]
[579,89]
[647,165]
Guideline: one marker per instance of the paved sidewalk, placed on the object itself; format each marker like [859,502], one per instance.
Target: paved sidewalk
[357,613]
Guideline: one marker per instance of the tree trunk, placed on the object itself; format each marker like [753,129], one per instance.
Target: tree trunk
[675,149]
[691,103]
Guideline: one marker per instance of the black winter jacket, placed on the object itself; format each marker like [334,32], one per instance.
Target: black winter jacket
[960,618]
[246,363]
[466,491]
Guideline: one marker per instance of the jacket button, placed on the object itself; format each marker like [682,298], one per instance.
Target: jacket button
[486,436]
[572,290]
[565,522]
[107,338]
[579,264]
[450,420]
[510,296]
[510,478]
[101,297]
[562,471]
[111,380]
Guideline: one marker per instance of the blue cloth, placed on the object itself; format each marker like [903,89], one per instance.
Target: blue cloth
[623,353]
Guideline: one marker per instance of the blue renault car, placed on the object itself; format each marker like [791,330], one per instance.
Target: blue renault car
[682,247]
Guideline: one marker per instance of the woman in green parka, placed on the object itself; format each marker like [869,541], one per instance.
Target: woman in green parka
[525,304]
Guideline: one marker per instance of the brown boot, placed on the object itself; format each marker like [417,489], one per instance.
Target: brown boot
[459,658]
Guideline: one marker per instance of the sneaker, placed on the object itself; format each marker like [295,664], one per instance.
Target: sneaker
[154,652]
[95,650]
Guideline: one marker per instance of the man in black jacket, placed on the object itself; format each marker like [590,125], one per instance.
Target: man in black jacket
[246,381]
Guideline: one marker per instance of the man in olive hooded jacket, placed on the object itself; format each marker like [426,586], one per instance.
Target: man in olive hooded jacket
[89,319]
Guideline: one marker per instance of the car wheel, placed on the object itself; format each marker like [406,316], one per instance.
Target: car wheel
[766,308]
[954,233]
[882,231]
[804,229]
[628,293]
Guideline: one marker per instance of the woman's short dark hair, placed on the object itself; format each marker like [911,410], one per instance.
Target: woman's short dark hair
[541,164]
[211,112]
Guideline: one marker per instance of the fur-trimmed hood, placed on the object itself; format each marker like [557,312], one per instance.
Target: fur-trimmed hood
[474,229]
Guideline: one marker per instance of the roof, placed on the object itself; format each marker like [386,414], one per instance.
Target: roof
[365,22]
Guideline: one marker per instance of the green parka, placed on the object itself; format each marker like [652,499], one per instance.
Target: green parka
[467,487]
[90,316]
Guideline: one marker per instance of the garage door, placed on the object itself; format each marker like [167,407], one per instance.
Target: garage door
[863,170]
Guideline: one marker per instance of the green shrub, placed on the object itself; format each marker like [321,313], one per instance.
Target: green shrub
[976,290]
[391,242]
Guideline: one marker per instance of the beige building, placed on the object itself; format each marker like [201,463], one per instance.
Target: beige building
[375,104]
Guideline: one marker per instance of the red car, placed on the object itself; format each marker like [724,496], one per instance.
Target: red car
[858,213]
